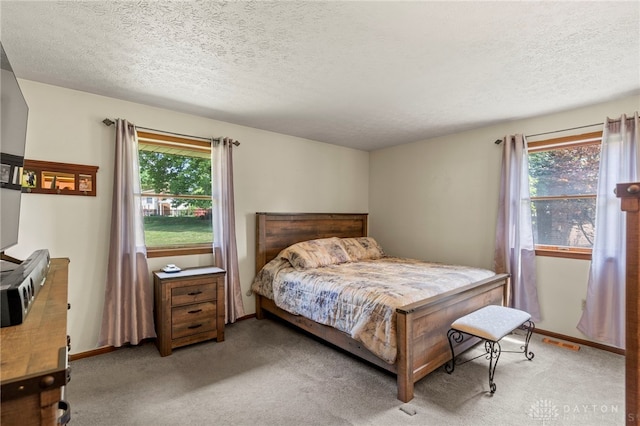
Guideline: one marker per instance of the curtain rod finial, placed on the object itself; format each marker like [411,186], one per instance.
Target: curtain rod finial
[498,141]
[108,122]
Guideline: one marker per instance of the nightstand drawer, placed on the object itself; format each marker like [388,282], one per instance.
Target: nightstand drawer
[193,319]
[193,293]
[194,312]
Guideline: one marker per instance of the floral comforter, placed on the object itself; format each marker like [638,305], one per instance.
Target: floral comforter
[360,298]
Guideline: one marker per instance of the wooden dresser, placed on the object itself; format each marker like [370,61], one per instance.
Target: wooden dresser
[34,365]
[189,307]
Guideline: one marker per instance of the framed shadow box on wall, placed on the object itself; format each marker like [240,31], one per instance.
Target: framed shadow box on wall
[46,177]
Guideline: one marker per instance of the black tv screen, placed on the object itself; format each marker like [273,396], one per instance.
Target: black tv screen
[13,130]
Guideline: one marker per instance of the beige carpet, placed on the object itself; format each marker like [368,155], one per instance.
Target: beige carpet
[266,373]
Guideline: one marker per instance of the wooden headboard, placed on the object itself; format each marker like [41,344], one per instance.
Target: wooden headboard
[277,231]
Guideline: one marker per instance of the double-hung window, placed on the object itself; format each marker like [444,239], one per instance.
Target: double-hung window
[175,176]
[563,179]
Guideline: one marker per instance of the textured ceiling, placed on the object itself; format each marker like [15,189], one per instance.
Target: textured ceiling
[360,74]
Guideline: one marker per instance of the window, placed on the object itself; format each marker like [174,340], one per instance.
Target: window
[175,175]
[563,179]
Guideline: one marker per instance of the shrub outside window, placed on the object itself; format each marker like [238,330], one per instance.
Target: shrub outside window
[175,176]
[563,179]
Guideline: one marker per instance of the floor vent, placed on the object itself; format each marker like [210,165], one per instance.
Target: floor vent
[565,345]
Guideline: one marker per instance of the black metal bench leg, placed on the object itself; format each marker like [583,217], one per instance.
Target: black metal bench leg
[493,353]
[530,327]
[453,336]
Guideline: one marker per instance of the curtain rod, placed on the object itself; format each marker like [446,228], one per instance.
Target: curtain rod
[499,141]
[108,122]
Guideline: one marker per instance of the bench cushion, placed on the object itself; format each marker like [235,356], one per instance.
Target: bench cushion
[491,322]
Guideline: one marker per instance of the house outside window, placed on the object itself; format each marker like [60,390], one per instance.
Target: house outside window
[563,179]
[175,176]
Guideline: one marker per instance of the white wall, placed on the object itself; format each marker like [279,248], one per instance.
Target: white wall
[437,200]
[272,172]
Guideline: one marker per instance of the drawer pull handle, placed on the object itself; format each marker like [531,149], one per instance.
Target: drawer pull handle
[194,326]
[195,311]
[195,293]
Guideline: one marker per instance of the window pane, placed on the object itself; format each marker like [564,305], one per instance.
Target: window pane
[564,222]
[187,223]
[172,219]
[564,171]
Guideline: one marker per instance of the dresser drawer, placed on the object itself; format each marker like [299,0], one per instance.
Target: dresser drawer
[193,293]
[193,319]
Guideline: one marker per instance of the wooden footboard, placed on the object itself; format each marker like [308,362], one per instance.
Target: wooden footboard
[422,329]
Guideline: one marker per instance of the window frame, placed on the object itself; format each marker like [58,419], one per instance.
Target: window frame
[175,142]
[585,139]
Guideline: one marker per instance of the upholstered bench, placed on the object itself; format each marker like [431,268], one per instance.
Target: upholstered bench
[491,324]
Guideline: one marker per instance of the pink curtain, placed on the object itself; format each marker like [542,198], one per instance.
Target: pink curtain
[603,318]
[128,306]
[514,248]
[224,225]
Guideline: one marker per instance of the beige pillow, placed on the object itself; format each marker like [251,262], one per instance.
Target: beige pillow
[315,253]
[362,248]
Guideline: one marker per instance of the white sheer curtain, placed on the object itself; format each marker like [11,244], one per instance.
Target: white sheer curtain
[128,305]
[604,315]
[224,225]
[514,248]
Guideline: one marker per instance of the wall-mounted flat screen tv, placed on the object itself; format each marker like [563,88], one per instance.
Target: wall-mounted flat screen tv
[13,133]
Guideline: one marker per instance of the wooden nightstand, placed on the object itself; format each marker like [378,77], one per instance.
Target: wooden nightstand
[189,307]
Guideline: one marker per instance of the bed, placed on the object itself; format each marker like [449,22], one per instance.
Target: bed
[420,341]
